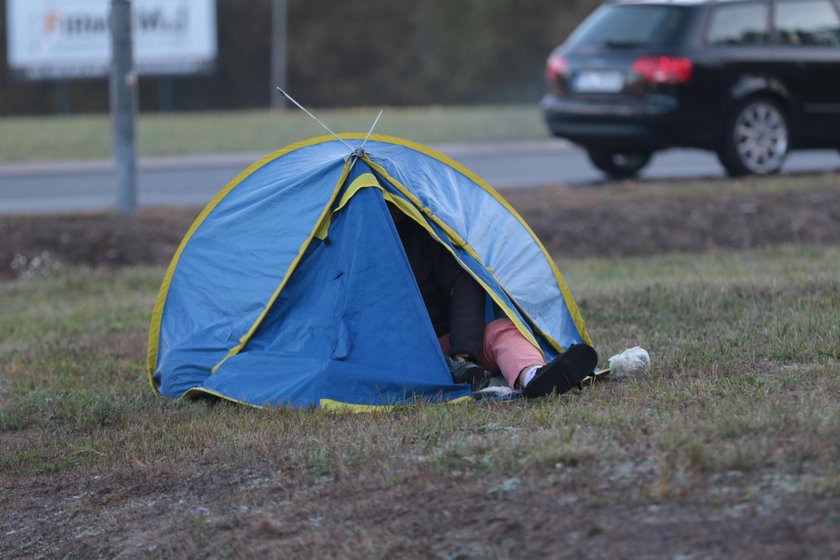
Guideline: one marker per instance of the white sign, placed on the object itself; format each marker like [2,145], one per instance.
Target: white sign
[52,39]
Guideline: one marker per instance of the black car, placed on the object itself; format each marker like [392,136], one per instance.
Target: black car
[749,79]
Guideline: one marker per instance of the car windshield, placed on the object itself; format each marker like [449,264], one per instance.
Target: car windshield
[628,26]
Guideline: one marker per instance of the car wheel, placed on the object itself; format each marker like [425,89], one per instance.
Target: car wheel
[619,164]
[757,139]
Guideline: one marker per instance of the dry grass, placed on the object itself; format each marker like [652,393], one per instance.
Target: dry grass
[749,339]
[740,407]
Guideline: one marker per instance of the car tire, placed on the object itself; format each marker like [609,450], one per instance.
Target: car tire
[757,138]
[619,164]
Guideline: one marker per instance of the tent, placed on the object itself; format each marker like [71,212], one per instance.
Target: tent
[292,288]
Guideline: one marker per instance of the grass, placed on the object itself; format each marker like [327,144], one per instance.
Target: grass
[744,346]
[651,189]
[739,407]
[89,136]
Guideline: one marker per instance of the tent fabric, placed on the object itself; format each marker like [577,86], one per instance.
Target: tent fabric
[292,289]
[344,341]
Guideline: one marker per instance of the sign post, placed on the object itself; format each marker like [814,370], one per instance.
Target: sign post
[123,86]
[59,40]
[278,53]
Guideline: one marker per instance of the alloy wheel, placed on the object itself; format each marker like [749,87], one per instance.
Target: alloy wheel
[761,137]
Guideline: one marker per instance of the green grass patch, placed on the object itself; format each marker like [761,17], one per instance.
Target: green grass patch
[745,348]
[89,136]
[734,189]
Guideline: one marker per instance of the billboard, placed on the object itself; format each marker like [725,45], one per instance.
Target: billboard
[62,39]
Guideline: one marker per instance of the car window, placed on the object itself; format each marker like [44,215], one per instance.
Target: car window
[629,26]
[808,23]
[739,25]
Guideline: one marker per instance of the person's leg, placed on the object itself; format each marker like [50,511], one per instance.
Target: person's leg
[506,350]
[444,344]
[462,371]
[522,364]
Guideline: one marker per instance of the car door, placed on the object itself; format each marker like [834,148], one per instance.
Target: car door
[736,57]
[808,36]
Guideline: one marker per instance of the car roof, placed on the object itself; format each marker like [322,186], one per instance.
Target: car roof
[673,2]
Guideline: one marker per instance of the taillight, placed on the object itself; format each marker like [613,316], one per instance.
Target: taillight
[555,66]
[663,69]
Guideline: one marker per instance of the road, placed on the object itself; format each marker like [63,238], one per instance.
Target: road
[40,187]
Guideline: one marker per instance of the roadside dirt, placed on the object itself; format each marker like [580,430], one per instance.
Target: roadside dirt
[629,219]
[220,509]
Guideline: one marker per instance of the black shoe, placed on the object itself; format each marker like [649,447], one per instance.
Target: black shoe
[468,372]
[563,373]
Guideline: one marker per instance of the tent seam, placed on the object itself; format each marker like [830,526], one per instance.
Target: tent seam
[312,234]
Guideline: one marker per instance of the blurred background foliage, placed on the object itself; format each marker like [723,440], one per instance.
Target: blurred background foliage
[340,54]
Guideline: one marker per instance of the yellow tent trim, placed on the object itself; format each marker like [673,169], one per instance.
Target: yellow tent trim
[327,405]
[338,406]
[368,180]
[196,391]
[364,180]
[157,312]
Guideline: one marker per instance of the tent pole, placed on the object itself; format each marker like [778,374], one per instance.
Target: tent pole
[376,120]
[302,108]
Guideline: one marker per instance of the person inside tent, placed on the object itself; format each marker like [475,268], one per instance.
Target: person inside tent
[456,306]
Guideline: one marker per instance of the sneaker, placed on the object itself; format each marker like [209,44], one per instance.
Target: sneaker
[563,373]
[468,372]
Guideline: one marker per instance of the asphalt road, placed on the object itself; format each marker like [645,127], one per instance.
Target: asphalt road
[51,187]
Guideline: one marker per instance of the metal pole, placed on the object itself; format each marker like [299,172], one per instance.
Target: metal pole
[278,53]
[63,93]
[123,106]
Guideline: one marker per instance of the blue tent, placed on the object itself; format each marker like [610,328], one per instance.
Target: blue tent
[291,288]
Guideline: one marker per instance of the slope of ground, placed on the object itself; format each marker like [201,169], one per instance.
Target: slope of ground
[623,220]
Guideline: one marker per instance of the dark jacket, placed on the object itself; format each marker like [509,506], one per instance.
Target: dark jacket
[454,300]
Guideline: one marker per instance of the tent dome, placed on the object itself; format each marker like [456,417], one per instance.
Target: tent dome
[291,288]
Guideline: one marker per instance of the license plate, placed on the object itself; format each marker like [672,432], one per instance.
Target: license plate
[598,81]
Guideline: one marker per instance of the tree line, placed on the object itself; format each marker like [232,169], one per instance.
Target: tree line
[364,52]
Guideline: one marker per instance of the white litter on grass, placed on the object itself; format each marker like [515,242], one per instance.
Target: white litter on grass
[495,391]
[631,361]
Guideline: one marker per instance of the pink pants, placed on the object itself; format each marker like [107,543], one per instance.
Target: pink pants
[504,349]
